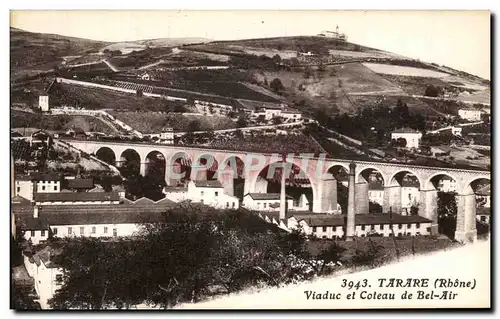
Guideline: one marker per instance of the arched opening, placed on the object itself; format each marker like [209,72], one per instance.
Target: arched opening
[107,155]
[180,167]
[232,176]
[481,187]
[130,163]
[298,188]
[402,194]
[447,203]
[341,174]
[369,191]
[205,168]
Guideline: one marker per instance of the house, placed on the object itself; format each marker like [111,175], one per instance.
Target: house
[144,76]
[410,194]
[456,130]
[208,192]
[46,274]
[74,198]
[39,138]
[447,184]
[211,193]
[268,202]
[376,192]
[470,114]
[43,103]
[27,185]
[411,136]
[167,134]
[483,215]
[333,226]
[291,114]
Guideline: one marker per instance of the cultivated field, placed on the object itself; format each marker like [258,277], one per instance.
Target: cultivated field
[403,70]
[368,54]
[59,122]
[154,122]
[356,77]
[95,98]
[415,85]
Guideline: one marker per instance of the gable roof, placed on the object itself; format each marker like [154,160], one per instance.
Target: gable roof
[19,200]
[76,197]
[208,183]
[266,196]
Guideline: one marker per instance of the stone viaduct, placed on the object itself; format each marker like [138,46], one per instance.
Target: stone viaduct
[318,171]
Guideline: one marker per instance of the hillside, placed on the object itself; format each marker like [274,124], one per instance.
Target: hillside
[129,46]
[34,52]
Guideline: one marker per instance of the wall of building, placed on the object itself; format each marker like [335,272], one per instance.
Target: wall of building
[24,189]
[412,139]
[264,204]
[78,203]
[48,186]
[45,279]
[376,196]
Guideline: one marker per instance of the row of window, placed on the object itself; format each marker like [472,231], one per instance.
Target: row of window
[364,235]
[364,227]
[82,231]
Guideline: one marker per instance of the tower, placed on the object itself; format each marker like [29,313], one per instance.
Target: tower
[337,30]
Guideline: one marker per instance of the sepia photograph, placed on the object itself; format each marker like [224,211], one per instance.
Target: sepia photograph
[250,159]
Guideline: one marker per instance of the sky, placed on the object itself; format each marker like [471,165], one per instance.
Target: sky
[459,39]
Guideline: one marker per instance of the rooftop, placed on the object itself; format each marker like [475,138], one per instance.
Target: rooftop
[76,197]
[81,183]
[316,219]
[266,196]
[36,176]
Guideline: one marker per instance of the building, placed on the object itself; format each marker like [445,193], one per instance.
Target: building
[208,192]
[411,136]
[43,103]
[333,226]
[27,185]
[456,130]
[483,215]
[410,194]
[75,198]
[78,184]
[334,34]
[447,184]
[470,114]
[167,135]
[376,192]
[46,274]
[271,202]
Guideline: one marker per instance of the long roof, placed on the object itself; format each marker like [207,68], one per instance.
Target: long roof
[76,197]
[81,183]
[266,196]
[315,219]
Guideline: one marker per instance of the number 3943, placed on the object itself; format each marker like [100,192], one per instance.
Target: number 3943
[350,284]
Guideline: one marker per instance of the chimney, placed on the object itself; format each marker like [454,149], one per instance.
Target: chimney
[35,211]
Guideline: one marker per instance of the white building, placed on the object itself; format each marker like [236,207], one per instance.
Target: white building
[456,130]
[27,185]
[43,103]
[411,136]
[271,202]
[46,274]
[333,226]
[209,192]
[470,114]
[167,135]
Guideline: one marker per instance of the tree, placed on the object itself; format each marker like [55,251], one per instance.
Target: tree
[277,59]
[401,142]
[367,257]
[432,91]
[277,86]
[447,213]
[194,126]
[277,120]
[374,208]
[242,122]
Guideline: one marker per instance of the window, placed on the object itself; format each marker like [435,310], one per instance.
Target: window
[324,228]
[216,194]
[417,225]
[315,229]
[82,229]
[32,233]
[483,218]
[381,226]
[93,230]
[400,226]
[227,204]
[55,187]
[409,225]
[70,230]
[115,232]
[42,233]
[54,231]
[43,187]
[372,227]
[201,193]
[59,279]
[201,201]
[363,227]
[265,205]
[105,229]
[234,204]
[18,189]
